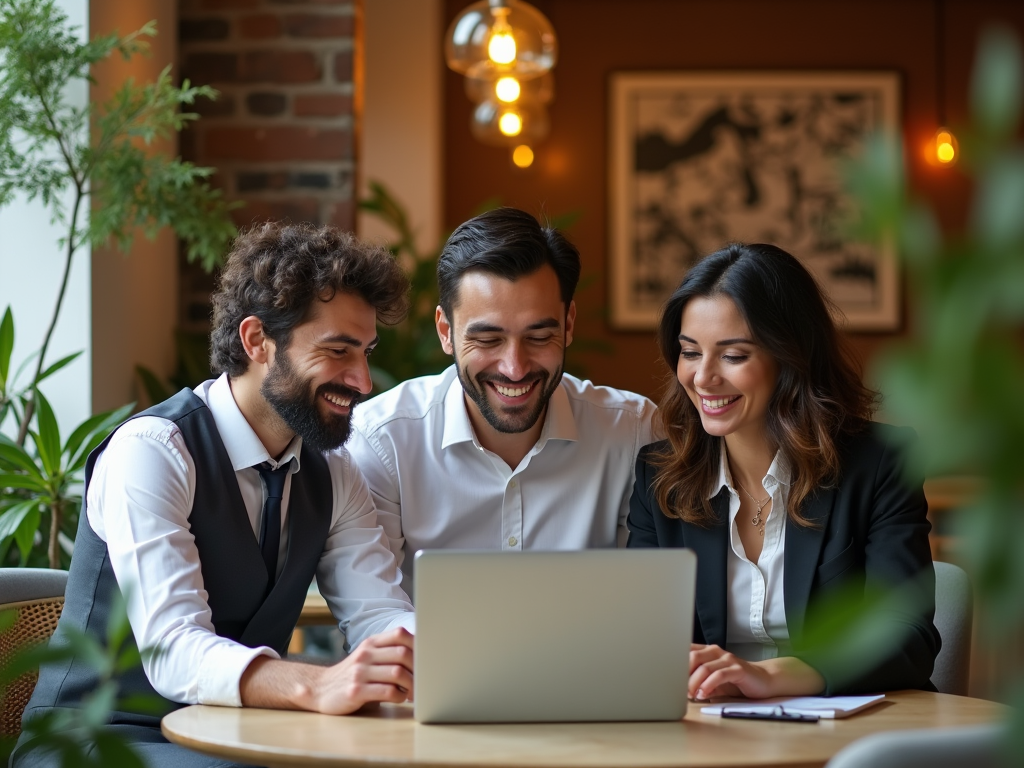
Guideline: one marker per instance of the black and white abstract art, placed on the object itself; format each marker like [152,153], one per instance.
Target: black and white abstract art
[698,160]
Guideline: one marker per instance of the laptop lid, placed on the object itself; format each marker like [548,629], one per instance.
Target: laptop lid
[594,635]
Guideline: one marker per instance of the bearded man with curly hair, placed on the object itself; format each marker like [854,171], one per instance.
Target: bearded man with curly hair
[212,512]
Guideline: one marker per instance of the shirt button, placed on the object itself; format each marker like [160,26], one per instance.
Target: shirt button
[511,541]
[512,484]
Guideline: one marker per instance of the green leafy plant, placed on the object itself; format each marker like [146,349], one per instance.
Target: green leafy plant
[79,737]
[958,379]
[410,348]
[193,353]
[46,478]
[100,154]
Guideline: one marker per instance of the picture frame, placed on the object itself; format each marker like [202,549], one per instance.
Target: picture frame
[701,159]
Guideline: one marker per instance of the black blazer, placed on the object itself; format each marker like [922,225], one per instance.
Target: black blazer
[870,530]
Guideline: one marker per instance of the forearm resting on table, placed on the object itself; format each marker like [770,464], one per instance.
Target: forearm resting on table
[274,684]
[791,676]
[380,669]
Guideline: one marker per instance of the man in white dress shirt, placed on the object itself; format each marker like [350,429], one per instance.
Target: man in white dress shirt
[212,511]
[503,450]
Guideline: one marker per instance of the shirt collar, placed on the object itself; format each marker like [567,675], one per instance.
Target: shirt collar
[457,426]
[559,421]
[779,471]
[241,442]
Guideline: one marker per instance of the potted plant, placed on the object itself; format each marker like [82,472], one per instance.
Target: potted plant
[98,153]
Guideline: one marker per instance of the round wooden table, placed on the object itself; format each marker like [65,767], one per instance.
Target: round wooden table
[388,736]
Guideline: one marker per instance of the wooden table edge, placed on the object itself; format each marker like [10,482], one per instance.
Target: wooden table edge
[275,757]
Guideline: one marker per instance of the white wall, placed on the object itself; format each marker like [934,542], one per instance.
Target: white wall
[31,267]
[402,112]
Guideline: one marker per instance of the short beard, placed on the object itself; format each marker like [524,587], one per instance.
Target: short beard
[512,420]
[289,396]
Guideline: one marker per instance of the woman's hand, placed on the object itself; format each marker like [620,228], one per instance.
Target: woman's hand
[716,672]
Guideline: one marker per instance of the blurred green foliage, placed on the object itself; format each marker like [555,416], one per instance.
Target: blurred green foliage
[193,368]
[79,736]
[410,348]
[959,378]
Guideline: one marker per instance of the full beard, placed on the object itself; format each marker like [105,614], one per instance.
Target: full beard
[510,419]
[289,395]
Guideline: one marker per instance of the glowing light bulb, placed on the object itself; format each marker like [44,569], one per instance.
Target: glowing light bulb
[510,124]
[502,47]
[945,147]
[522,156]
[507,89]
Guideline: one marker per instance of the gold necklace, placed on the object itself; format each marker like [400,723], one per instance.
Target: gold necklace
[757,520]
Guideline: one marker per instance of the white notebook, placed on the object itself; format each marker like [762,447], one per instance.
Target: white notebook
[830,708]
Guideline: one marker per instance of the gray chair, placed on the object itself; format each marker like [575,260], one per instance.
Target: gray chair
[37,594]
[973,747]
[954,617]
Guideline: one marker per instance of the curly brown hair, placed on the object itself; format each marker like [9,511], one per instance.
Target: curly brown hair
[276,271]
[818,396]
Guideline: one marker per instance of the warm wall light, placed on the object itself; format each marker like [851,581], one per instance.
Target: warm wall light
[943,150]
[946,149]
[522,156]
[492,38]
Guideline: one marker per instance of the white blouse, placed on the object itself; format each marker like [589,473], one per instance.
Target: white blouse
[756,624]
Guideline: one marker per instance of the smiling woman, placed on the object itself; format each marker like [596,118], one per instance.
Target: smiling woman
[776,476]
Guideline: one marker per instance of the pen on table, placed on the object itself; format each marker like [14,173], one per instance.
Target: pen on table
[768,713]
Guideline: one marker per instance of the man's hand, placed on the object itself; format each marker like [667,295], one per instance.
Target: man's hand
[379,669]
[716,672]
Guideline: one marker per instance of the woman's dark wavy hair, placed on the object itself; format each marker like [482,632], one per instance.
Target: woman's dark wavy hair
[818,397]
[277,271]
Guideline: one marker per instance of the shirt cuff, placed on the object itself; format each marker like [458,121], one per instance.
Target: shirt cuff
[407,620]
[220,673]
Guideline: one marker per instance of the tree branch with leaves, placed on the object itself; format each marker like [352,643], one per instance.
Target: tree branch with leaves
[74,159]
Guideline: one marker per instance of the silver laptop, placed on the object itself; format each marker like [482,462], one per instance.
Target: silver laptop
[553,636]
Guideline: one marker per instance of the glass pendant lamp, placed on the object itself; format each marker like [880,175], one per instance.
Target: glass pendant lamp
[510,90]
[494,38]
[510,125]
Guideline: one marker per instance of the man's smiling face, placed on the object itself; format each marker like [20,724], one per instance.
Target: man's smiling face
[315,381]
[508,339]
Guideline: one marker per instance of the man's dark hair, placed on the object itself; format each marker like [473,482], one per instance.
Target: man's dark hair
[508,243]
[277,271]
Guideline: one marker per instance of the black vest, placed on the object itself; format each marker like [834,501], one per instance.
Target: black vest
[234,574]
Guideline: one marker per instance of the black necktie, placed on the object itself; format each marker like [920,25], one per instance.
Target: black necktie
[270,523]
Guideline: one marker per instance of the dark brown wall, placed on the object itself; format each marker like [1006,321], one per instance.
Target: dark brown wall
[598,37]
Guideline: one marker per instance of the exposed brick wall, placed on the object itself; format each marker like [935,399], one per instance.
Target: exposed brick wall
[281,133]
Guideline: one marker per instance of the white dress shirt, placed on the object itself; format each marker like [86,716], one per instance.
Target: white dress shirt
[756,628]
[436,487]
[139,500]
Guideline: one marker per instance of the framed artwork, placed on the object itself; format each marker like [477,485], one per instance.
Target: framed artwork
[698,160]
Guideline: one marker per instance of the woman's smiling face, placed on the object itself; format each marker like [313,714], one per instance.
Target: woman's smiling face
[729,378]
